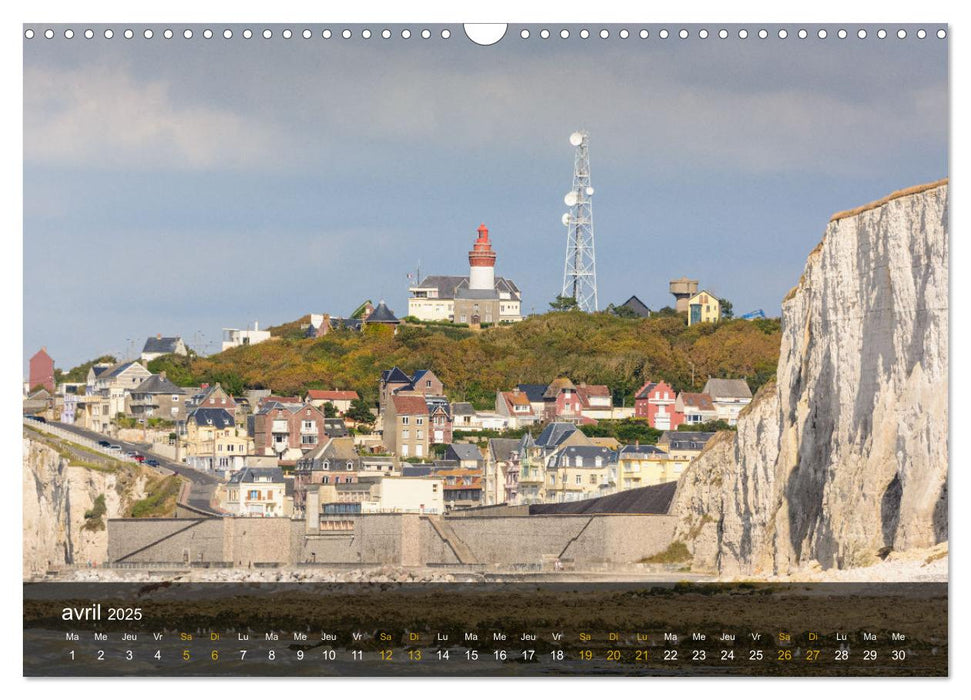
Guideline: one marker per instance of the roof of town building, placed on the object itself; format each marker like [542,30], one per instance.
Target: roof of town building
[249,475]
[450,286]
[331,395]
[700,401]
[647,500]
[157,384]
[409,404]
[164,345]
[556,386]
[382,314]
[335,427]
[586,454]
[119,368]
[554,433]
[533,391]
[516,398]
[218,418]
[463,451]
[503,449]
[395,376]
[637,306]
[684,439]
[463,408]
[640,451]
[727,389]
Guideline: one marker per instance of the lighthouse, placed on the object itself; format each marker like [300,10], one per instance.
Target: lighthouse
[482,262]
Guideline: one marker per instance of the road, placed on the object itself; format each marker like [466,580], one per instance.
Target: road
[202,485]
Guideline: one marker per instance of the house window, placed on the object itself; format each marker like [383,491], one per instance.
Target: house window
[419,435]
[350,466]
[326,466]
[598,461]
[175,398]
[309,425]
[325,480]
[419,421]
[419,450]
[428,383]
[593,478]
[578,461]
[405,434]
[404,450]
[552,479]
[579,479]
[404,420]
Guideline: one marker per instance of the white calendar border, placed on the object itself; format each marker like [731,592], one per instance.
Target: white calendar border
[891,11]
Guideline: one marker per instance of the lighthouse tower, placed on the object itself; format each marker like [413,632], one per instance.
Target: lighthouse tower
[482,262]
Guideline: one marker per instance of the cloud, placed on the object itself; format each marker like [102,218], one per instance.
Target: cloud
[363,108]
[101,117]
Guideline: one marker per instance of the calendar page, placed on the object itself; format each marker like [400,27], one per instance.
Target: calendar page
[499,350]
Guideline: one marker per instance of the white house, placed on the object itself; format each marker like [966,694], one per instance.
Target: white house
[235,337]
[256,492]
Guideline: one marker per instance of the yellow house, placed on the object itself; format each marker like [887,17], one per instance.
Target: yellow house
[646,465]
[213,441]
[704,307]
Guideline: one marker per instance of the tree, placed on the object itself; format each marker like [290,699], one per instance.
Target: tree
[330,411]
[80,373]
[712,426]
[726,306]
[360,412]
[622,311]
[562,303]
[665,311]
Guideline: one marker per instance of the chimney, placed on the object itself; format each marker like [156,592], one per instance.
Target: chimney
[158,335]
[162,374]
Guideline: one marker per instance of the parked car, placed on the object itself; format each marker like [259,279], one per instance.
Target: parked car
[129,455]
[151,462]
[39,419]
[139,458]
[104,443]
[114,448]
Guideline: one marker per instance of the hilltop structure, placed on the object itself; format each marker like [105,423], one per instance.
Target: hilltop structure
[479,298]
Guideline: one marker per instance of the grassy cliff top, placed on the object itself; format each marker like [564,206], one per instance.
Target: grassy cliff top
[594,348]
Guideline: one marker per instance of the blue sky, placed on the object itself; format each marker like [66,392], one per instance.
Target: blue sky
[179,187]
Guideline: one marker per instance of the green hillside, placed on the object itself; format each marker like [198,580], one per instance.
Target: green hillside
[593,348]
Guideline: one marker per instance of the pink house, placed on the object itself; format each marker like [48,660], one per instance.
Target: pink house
[654,402]
[42,371]
[561,401]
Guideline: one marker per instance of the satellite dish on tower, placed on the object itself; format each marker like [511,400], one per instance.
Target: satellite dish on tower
[570,199]
[589,191]
[566,219]
[576,138]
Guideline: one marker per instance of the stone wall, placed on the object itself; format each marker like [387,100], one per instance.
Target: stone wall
[401,539]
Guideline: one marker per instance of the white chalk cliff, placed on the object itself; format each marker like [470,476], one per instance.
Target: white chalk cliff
[845,455]
[56,497]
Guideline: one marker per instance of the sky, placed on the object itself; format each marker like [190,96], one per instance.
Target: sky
[181,186]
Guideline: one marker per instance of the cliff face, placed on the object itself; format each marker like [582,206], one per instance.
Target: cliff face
[845,455]
[56,497]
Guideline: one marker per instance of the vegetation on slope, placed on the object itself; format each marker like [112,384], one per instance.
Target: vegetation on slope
[160,498]
[594,348]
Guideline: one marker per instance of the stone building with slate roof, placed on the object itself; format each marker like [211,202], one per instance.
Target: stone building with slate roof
[730,396]
[157,397]
[159,345]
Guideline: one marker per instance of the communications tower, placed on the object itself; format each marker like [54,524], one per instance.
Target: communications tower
[580,267]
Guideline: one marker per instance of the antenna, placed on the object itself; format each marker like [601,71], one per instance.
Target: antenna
[580,267]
